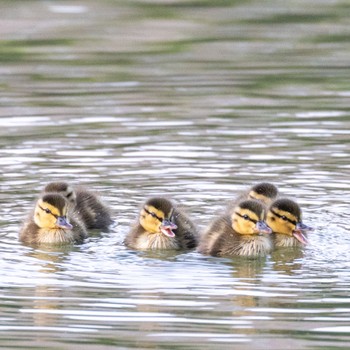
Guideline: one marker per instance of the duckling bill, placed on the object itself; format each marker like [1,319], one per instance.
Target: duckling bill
[241,232]
[284,218]
[51,223]
[162,226]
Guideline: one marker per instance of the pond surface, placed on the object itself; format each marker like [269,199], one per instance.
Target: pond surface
[196,100]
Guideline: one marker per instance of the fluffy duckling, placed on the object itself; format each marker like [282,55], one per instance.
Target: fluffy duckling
[51,223]
[242,232]
[264,192]
[162,226]
[94,213]
[284,218]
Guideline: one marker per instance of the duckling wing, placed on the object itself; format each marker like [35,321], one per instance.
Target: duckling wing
[79,230]
[29,232]
[186,232]
[131,238]
[94,213]
[216,238]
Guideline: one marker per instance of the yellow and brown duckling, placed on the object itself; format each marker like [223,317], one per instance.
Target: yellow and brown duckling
[265,192]
[162,226]
[284,218]
[241,232]
[52,223]
[94,213]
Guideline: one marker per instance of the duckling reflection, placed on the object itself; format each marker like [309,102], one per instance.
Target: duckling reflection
[287,260]
[50,257]
[264,192]
[246,293]
[46,296]
[241,232]
[247,272]
[161,225]
[93,212]
[52,223]
[284,218]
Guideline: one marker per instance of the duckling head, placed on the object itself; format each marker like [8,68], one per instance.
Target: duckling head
[264,192]
[248,218]
[51,212]
[63,188]
[156,216]
[284,216]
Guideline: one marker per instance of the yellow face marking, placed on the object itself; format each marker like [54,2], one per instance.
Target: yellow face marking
[244,221]
[45,215]
[260,197]
[280,225]
[151,219]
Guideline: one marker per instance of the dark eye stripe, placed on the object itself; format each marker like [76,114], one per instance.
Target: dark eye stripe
[283,217]
[153,214]
[48,211]
[69,194]
[246,217]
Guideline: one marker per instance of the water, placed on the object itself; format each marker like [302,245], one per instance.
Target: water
[197,101]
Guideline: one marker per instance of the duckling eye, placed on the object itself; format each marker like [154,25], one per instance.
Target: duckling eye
[283,217]
[245,217]
[48,211]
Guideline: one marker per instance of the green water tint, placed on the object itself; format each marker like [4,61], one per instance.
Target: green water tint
[195,100]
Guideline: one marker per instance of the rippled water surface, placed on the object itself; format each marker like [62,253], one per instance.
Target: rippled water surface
[195,100]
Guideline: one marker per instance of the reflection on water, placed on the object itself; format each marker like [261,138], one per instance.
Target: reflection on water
[193,100]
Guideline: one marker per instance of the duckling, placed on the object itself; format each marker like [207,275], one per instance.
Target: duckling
[242,232]
[94,213]
[51,223]
[284,218]
[162,226]
[264,192]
